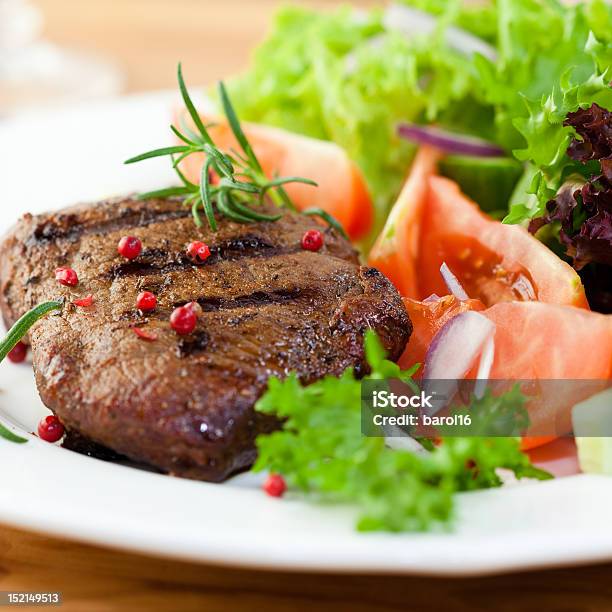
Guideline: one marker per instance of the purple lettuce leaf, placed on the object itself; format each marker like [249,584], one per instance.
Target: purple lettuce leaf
[583,209]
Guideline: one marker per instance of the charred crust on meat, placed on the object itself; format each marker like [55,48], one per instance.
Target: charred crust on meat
[158,262]
[257,298]
[268,308]
[67,227]
[193,344]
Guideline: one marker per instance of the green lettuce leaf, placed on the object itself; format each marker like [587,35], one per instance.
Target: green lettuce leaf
[340,77]
[548,139]
[553,58]
[478,18]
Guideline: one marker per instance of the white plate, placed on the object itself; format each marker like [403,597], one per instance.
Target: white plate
[51,160]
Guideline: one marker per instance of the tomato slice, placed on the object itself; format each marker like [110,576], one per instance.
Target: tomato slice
[494,262]
[529,442]
[535,341]
[427,319]
[396,250]
[341,191]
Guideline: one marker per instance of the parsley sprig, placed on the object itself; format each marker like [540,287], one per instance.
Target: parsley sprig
[321,452]
[242,184]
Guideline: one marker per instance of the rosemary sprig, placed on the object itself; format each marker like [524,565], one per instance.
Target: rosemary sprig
[21,328]
[14,335]
[242,183]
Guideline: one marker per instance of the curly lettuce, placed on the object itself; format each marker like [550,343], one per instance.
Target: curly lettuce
[340,76]
[581,210]
[478,18]
[548,139]
[583,207]
[346,77]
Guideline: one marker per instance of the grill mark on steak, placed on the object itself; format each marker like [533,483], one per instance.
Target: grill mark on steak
[216,303]
[257,298]
[67,227]
[194,344]
[157,261]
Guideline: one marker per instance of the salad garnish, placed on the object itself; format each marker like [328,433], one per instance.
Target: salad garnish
[240,183]
[353,77]
[84,302]
[583,206]
[144,334]
[574,198]
[146,301]
[320,451]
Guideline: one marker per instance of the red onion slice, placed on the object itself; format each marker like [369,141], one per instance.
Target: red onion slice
[456,346]
[484,367]
[524,288]
[452,283]
[458,144]
[397,439]
[452,353]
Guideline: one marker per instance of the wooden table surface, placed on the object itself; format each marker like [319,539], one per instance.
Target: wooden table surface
[213,38]
[93,579]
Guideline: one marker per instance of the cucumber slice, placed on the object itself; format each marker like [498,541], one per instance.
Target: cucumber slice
[489,181]
[592,421]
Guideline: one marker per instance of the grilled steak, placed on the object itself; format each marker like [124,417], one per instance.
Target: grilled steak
[185,403]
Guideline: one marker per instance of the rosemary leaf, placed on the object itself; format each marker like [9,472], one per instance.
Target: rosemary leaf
[205,194]
[185,180]
[157,153]
[177,160]
[319,212]
[10,436]
[232,119]
[223,162]
[239,186]
[194,211]
[167,192]
[182,137]
[193,113]
[224,204]
[21,328]
[252,214]
[289,179]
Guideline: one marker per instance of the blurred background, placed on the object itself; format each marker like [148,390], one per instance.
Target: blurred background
[54,51]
